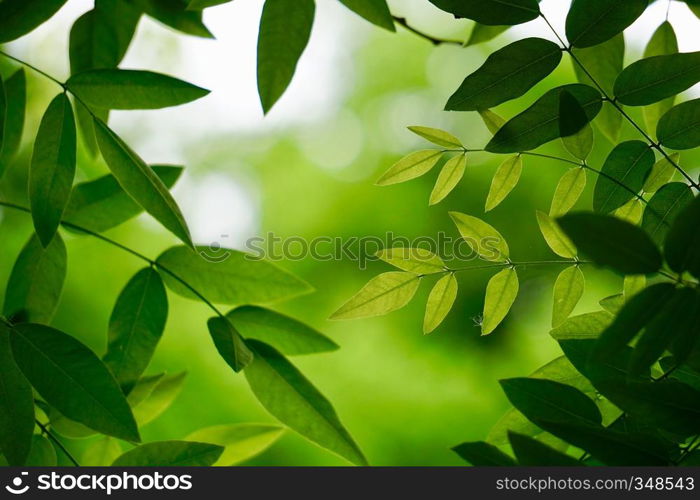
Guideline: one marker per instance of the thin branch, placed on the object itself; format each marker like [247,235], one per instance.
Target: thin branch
[34,68]
[56,441]
[434,40]
[517,264]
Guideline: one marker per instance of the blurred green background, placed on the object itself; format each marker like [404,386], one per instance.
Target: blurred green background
[307,170]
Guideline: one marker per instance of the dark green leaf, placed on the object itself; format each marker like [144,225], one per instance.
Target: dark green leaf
[532,452]
[287,335]
[16,406]
[203,4]
[507,73]
[240,441]
[662,42]
[36,281]
[679,128]
[140,182]
[19,17]
[375,11]
[102,204]
[53,168]
[661,173]
[483,33]
[612,242]
[652,79]
[228,277]
[629,164]
[229,343]
[491,12]
[540,122]
[15,99]
[481,454]
[285,28]
[131,89]
[72,379]
[174,13]
[572,117]
[42,453]
[291,398]
[684,346]
[135,327]
[591,22]
[170,454]
[682,246]
[663,208]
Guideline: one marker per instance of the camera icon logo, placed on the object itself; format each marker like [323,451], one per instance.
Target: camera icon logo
[16,488]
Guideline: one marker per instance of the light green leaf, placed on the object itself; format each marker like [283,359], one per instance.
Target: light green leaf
[504,180]
[15,100]
[295,402]
[481,237]
[72,379]
[437,136]
[613,303]
[568,191]
[501,291]
[583,326]
[568,290]
[140,182]
[288,335]
[159,399]
[414,260]
[101,453]
[632,285]
[491,12]
[170,454]
[628,164]
[410,166]
[440,301]
[143,388]
[661,173]
[241,442]
[492,121]
[174,13]
[35,284]
[285,28]
[19,17]
[381,295]
[135,327]
[662,42]
[555,237]
[506,74]
[663,208]
[679,128]
[67,427]
[228,277]
[42,453]
[375,11]
[450,175]
[630,211]
[229,343]
[591,22]
[580,144]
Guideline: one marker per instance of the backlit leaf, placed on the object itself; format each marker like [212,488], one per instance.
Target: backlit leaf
[229,343]
[375,11]
[583,326]
[450,175]
[101,453]
[580,144]
[381,295]
[555,238]
[440,301]
[568,191]
[492,121]
[628,164]
[612,303]
[504,180]
[591,22]
[414,260]
[437,136]
[501,291]
[161,392]
[240,441]
[679,128]
[481,237]
[661,173]
[170,454]
[19,17]
[662,42]
[631,211]
[491,12]
[663,208]
[632,285]
[483,33]
[568,290]
[410,166]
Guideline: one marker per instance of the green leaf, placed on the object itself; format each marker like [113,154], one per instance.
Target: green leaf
[229,343]
[414,260]
[140,182]
[591,22]
[661,173]
[483,33]
[580,144]
[531,452]
[16,406]
[663,208]
[19,17]
[295,402]
[632,285]
[3,111]
[52,168]
[410,166]
[440,301]
[568,290]
[539,123]
[482,238]
[16,100]
[655,78]
[604,63]
[682,246]
[583,326]
[631,211]
[662,42]
[572,117]
[72,379]
[612,303]
[67,427]
[491,12]
[135,327]
[501,291]
[101,453]
[437,136]
[241,442]
[504,180]
[174,13]
[102,204]
[506,74]
[612,242]
[568,191]
[623,175]
[285,28]
[170,454]
[36,281]
[233,277]
[288,335]
[492,121]
[481,454]
[160,391]
[42,453]
[375,11]
[381,295]
[203,4]
[450,175]
[679,128]
[131,89]
[555,238]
